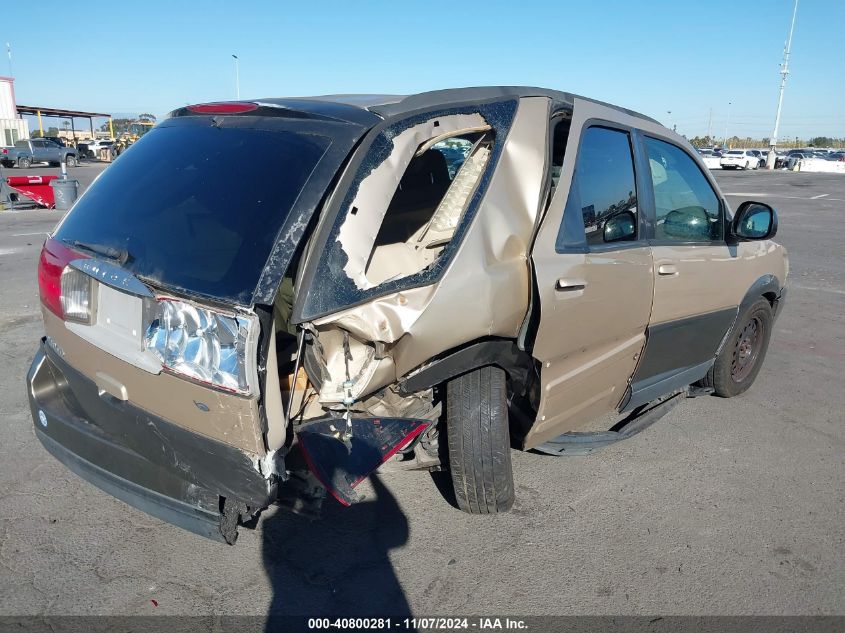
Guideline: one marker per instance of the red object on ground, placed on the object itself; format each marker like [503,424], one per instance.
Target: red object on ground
[35,187]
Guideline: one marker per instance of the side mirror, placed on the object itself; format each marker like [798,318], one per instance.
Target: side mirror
[620,227]
[688,223]
[754,221]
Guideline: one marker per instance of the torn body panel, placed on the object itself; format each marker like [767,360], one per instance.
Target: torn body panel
[482,292]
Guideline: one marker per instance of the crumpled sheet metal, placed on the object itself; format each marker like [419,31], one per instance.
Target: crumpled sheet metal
[330,289]
[485,290]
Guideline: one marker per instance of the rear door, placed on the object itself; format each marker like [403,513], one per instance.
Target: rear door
[594,277]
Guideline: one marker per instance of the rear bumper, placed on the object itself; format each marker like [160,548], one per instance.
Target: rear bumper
[178,476]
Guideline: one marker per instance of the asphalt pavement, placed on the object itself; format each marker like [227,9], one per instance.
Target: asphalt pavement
[723,507]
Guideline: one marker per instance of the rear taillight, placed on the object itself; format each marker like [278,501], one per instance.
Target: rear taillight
[55,256]
[4,151]
[77,296]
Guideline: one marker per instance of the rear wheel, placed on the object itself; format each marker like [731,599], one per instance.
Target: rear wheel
[24,162]
[747,165]
[739,362]
[479,441]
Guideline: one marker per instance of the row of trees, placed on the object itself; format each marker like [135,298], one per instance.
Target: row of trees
[748,142]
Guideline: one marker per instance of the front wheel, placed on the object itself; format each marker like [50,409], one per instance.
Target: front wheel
[479,441]
[739,362]
[70,160]
[747,165]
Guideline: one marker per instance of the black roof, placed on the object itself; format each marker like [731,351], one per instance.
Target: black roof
[356,107]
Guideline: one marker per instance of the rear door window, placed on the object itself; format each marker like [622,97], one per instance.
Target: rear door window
[603,190]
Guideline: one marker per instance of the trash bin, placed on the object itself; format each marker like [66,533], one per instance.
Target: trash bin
[65,192]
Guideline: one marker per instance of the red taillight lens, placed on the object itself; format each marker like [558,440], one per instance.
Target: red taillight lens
[222,108]
[54,257]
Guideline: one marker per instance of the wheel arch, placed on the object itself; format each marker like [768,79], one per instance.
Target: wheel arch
[498,352]
[767,286]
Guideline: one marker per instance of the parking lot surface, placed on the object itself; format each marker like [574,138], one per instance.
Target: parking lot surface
[723,507]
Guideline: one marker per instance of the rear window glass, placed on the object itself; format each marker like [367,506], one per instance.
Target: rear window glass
[197,208]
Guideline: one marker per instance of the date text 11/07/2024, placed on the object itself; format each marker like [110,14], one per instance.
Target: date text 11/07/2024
[422,623]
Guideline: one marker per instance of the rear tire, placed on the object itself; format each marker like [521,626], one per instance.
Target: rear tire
[741,358]
[479,441]
[24,163]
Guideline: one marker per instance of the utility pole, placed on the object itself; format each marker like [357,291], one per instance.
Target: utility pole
[784,71]
[709,123]
[237,78]
[727,120]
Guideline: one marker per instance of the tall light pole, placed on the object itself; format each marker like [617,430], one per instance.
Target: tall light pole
[727,120]
[784,71]
[237,78]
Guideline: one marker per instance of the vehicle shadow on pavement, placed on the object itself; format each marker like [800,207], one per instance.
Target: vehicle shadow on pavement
[337,565]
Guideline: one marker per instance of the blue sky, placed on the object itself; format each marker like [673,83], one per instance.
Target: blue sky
[654,56]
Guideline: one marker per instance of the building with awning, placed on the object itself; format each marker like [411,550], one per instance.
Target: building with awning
[42,112]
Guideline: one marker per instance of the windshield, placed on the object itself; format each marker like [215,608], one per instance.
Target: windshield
[197,207]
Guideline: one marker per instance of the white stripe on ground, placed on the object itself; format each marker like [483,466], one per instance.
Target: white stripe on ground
[28,234]
[9,251]
[821,195]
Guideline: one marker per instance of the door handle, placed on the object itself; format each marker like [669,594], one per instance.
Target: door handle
[667,270]
[570,285]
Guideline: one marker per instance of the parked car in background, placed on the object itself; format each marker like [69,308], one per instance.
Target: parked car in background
[366,304]
[761,155]
[838,156]
[37,150]
[91,149]
[740,159]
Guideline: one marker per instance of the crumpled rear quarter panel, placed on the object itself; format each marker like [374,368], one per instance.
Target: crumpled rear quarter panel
[485,289]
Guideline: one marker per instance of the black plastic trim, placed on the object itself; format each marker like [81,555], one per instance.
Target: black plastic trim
[187,516]
[574,443]
[675,349]
[502,353]
[765,285]
[646,391]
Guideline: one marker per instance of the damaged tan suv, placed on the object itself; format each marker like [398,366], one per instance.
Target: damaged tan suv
[263,301]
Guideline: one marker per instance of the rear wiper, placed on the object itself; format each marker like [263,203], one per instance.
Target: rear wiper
[109,252]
